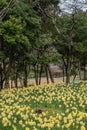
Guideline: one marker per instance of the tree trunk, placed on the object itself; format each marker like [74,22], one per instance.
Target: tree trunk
[84,70]
[7,85]
[74,77]
[11,83]
[79,69]
[25,75]
[41,69]
[63,73]
[16,79]
[47,76]
[64,67]
[1,66]
[1,85]
[36,73]
[50,74]
[2,76]
[1,82]
[68,70]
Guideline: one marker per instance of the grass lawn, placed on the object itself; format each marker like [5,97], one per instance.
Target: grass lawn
[44,107]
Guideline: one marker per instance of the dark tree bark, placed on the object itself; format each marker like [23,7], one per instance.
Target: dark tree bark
[47,75]
[84,70]
[79,69]
[74,77]
[2,66]
[63,73]
[41,69]
[36,73]
[67,66]
[1,79]
[25,75]
[50,74]
[16,79]
[11,83]
[7,85]
[68,70]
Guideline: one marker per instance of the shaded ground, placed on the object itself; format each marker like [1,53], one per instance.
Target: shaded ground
[31,81]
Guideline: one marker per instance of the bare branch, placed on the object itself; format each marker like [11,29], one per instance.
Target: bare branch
[4,11]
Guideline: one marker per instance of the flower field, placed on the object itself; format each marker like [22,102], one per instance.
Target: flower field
[62,107]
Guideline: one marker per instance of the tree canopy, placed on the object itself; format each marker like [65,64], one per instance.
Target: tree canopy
[36,33]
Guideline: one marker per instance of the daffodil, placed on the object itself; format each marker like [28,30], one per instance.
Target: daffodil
[83,128]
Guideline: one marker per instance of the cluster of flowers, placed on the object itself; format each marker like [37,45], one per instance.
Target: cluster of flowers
[62,107]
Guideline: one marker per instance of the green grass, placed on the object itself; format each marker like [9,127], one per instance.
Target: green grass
[63,107]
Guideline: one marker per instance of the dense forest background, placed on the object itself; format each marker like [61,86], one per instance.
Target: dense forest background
[36,33]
